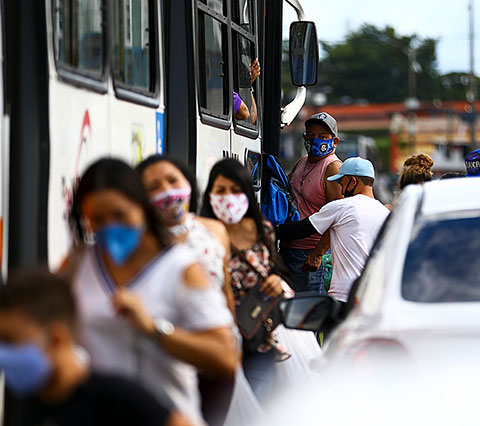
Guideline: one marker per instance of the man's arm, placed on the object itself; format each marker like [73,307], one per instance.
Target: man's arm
[295,230]
[333,190]
[314,259]
[254,110]
[243,113]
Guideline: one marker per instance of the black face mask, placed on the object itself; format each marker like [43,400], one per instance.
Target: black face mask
[349,193]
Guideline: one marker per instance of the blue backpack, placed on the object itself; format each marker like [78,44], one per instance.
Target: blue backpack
[278,201]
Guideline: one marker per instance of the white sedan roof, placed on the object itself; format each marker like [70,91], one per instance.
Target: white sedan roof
[448,195]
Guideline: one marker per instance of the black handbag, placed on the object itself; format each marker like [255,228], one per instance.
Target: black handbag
[257,315]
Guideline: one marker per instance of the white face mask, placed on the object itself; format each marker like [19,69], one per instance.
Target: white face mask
[231,208]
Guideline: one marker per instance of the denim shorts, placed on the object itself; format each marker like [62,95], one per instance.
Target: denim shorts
[302,281]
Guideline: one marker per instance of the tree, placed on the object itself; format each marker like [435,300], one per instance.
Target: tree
[372,64]
[454,86]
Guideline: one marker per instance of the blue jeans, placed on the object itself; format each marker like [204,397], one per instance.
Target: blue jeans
[259,369]
[302,281]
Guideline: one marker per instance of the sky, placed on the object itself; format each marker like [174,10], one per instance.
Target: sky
[444,20]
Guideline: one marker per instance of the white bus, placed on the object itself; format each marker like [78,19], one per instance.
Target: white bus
[128,78]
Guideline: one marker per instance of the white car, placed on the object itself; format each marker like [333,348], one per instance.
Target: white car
[419,295]
[407,351]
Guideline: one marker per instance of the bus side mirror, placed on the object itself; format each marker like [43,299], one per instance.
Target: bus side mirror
[303,53]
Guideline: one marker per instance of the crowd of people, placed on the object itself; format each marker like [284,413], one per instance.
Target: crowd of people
[144,322]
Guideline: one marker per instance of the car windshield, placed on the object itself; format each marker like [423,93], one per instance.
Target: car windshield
[443,262]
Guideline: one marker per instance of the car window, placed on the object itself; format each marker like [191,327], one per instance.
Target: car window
[443,261]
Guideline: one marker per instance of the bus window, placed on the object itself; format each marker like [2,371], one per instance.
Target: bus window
[212,40]
[216,5]
[244,53]
[78,35]
[253,165]
[242,14]
[133,44]
[243,83]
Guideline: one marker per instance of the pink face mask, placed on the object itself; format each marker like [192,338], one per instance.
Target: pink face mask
[231,208]
[173,203]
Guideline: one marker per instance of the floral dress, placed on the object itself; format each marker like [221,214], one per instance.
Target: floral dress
[243,277]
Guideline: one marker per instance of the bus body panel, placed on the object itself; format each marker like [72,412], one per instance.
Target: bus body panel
[213,144]
[83,123]
[78,136]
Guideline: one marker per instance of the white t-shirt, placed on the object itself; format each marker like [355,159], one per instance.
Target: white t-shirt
[354,223]
[116,347]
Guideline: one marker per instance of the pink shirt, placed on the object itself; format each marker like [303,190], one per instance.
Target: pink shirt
[309,190]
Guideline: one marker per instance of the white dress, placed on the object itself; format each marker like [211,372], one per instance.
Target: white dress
[210,251]
[244,408]
[304,350]
[116,347]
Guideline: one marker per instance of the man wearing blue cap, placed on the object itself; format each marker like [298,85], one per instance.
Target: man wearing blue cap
[354,223]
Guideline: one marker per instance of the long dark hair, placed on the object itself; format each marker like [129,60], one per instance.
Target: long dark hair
[235,171]
[157,158]
[114,174]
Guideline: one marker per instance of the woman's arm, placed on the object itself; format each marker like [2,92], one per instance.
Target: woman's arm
[212,351]
[218,229]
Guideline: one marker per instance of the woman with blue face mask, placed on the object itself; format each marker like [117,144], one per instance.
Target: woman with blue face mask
[147,309]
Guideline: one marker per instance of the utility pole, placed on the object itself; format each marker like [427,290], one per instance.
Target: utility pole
[472,89]
[412,101]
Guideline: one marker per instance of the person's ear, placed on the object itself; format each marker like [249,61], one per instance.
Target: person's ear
[353,180]
[335,142]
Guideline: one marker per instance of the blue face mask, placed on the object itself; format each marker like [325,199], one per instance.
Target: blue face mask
[26,367]
[119,241]
[319,147]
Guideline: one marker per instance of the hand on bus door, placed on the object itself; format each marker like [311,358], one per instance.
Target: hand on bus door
[254,70]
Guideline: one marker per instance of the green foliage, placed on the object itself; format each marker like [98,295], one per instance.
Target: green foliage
[454,86]
[373,64]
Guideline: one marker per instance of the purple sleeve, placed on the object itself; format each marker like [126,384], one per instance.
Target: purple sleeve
[237,101]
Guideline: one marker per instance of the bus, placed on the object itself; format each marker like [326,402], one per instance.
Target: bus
[84,79]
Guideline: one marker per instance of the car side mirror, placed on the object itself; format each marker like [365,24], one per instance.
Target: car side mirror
[303,53]
[312,312]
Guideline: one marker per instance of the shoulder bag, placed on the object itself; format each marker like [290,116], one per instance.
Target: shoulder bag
[257,315]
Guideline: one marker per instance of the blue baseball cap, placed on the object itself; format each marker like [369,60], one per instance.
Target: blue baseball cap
[355,166]
[472,163]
